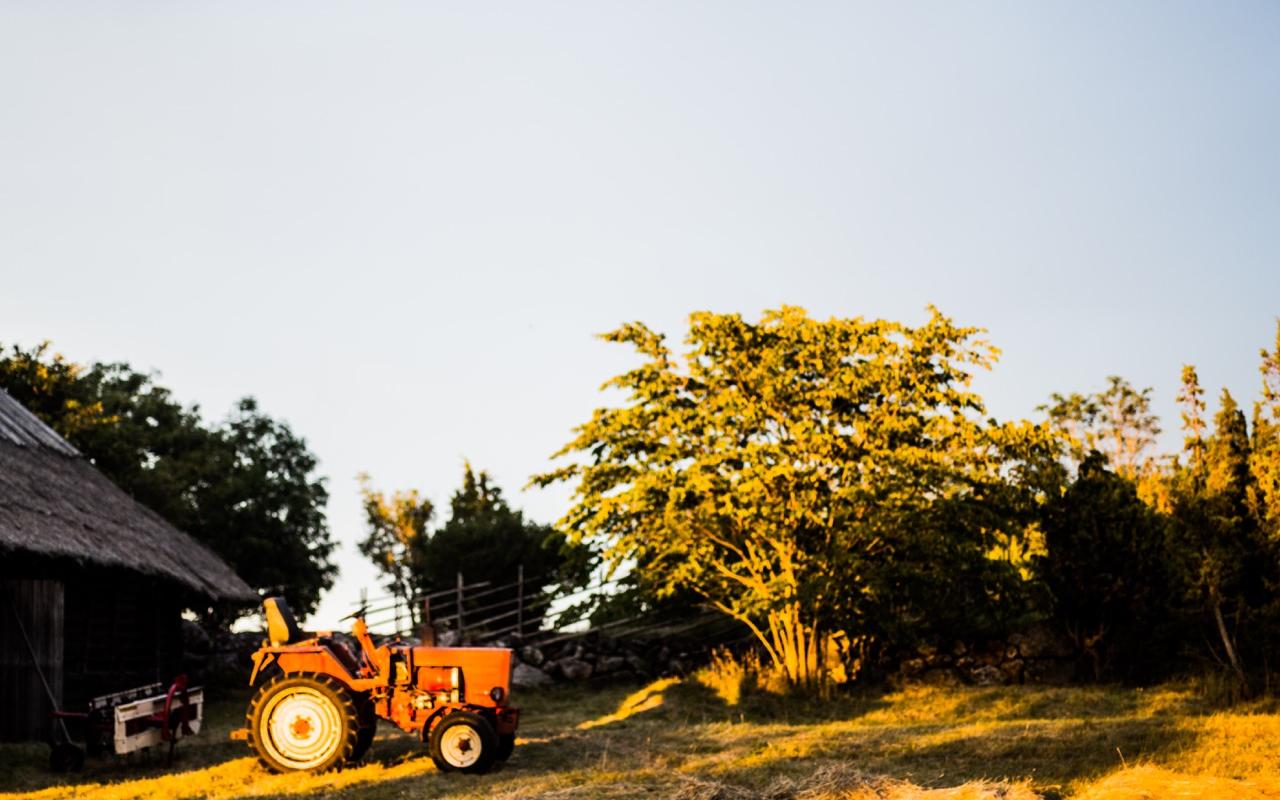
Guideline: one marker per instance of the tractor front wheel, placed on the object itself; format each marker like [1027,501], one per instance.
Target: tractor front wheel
[464,742]
[303,721]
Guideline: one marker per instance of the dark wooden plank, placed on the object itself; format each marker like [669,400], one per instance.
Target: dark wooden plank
[24,704]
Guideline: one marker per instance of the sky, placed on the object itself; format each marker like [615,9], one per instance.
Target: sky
[400,225]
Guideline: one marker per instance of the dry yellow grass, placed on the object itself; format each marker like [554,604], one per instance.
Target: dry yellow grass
[707,740]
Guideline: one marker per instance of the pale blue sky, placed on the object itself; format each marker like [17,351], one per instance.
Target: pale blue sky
[399,224]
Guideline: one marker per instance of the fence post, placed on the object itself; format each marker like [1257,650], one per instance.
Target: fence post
[459,601]
[428,630]
[520,601]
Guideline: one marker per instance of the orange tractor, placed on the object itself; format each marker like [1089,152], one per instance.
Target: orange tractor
[318,703]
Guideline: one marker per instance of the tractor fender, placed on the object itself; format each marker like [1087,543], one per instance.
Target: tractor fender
[444,711]
[291,659]
[314,659]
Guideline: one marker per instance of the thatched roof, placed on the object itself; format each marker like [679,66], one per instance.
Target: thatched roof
[54,503]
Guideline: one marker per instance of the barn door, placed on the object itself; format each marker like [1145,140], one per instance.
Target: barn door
[24,704]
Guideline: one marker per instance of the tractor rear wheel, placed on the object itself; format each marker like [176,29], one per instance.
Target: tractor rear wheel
[368,725]
[303,721]
[464,742]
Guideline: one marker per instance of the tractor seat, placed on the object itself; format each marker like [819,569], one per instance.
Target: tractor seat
[282,628]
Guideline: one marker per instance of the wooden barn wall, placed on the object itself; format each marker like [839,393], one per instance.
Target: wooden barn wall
[122,631]
[24,704]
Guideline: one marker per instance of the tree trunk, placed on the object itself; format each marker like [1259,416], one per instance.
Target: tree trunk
[1228,646]
[798,646]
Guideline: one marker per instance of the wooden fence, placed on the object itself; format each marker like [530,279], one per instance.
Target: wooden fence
[483,613]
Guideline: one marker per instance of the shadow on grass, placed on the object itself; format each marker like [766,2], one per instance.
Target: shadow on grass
[25,767]
[1049,736]
[618,739]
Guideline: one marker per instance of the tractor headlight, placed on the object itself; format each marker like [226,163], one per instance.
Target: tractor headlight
[497,693]
[455,678]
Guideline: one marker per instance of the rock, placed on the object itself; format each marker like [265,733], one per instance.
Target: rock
[986,675]
[941,677]
[1012,670]
[448,639]
[912,667]
[638,664]
[1039,641]
[573,669]
[1050,671]
[532,655]
[527,677]
[607,664]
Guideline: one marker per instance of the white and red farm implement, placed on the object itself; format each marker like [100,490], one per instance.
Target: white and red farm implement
[128,721]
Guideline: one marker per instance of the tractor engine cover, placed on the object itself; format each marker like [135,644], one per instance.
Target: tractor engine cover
[476,670]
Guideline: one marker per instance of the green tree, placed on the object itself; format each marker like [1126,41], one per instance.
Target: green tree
[806,478]
[484,539]
[1265,446]
[398,526]
[1116,422]
[1224,559]
[246,486]
[1106,568]
[260,505]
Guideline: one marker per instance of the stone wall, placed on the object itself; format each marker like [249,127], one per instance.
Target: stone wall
[596,657]
[1034,655]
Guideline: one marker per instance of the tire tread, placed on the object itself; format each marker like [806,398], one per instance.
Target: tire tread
[346,707]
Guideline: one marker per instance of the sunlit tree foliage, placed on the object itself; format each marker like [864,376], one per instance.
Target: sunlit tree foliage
[811,479]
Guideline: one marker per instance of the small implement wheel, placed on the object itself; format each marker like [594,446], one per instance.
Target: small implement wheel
[303,721]
[464,742]
[66,758]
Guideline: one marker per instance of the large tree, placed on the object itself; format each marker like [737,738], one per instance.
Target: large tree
[806,477]
[245,486]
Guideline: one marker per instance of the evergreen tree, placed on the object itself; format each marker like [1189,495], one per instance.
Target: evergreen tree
[1264,461]
[484,540]
[1191,398]
[1106,568]
[1223,559]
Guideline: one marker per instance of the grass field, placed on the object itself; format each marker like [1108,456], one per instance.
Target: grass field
[686,740]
